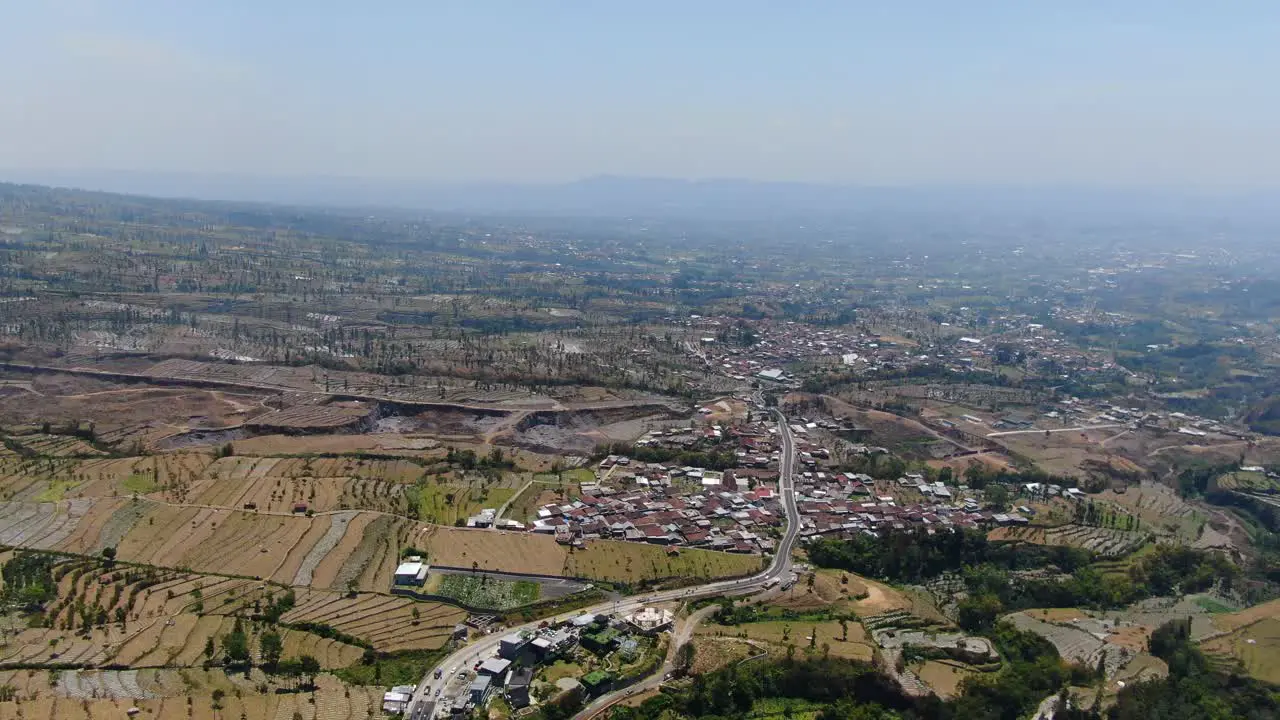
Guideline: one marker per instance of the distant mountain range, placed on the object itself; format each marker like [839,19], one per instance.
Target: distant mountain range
[609,196]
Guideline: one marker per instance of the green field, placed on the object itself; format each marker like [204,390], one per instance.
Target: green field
[631,562]
[1249,481]
[449,503]
[483,592]
[141,483]
[55,492]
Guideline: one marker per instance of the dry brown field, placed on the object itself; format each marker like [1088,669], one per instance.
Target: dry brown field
[601,559]
[386,621]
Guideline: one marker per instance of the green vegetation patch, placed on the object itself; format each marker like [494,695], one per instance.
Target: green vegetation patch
[141,483]
[484,592]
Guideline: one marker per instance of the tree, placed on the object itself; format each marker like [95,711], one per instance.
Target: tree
[271,646]
[309,666]
[977,613]
[108,557]
[844,630]
[997,495]
[236,646]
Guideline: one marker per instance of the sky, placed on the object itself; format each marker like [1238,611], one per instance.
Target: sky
[1140,93]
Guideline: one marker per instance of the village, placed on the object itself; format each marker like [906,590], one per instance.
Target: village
[588,653]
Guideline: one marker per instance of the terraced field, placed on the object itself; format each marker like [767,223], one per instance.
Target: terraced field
[149,618]
[1078,638]
[387,622]
[41,525]
[778,634]
[1249,639]
[182,694]
[615,561]
[56,446]
[1104,541]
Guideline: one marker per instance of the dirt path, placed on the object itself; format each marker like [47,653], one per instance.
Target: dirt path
[502,511]
[504,426]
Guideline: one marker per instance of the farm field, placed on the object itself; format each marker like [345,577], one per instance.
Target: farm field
[545,490]
[712,652]
[842,592]
[335,549]
[944,676]
[614,561]
[182,694]
[780,633]
[1159,508]
[485,592]
[1107,542]
[447,503]
[1086,638]
[55,445]
[1250,637]
[387,622]
[142,617]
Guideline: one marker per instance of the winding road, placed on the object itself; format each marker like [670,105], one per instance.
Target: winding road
[455,670]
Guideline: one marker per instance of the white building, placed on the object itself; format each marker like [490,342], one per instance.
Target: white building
[413,571]
[650,619]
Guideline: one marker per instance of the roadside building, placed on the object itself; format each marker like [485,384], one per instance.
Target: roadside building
[480,689]
[518,681]
[411,573]
[650,620]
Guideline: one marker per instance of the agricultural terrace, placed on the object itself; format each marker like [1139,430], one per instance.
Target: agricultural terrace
[609,560]
[180,695]
[343,549]
[388,623]
[51,479]
[1249,638]
[1106,542]
[62,446]
[42,525]
[321,484]
[142,617]
[547,489]
[455,496]
[816,635]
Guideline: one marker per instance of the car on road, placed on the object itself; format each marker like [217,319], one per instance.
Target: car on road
[439,672]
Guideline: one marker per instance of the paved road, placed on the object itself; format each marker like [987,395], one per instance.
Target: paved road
[1082,428]
[422,706]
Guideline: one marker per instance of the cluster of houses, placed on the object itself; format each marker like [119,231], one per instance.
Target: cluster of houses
[720,517]
[511,671]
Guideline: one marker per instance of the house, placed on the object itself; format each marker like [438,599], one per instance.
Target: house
[481,688]
[495,667]
[600,642]
[541,647]
[518,681]
[510,646]
[396,700]
[412,572]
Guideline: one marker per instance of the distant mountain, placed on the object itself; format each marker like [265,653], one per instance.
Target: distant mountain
[609,196]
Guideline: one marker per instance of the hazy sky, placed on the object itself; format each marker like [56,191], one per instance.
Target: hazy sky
[1129,92]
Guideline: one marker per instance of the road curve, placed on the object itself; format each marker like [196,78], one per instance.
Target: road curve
[422,704]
